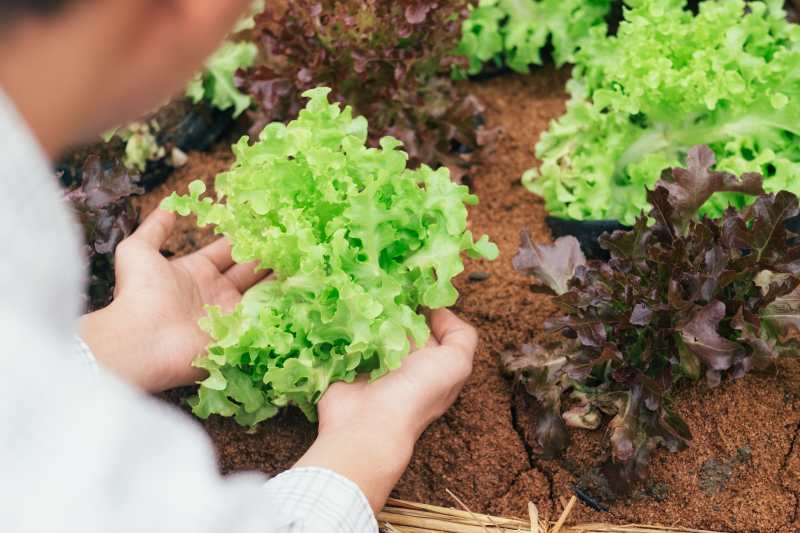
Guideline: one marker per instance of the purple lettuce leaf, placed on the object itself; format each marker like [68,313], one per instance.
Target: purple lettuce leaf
[103,206]
[541,373]
[391,61]
[554,265]
[689,188]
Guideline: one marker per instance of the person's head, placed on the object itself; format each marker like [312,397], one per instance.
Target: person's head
[77,67]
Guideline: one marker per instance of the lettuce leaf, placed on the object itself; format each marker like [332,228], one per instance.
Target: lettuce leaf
[390,60]
[514,32]
[216,83]
[728,77]
[357,241]
[248,22]
[102,204]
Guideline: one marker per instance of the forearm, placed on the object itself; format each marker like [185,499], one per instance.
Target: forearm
[373,458]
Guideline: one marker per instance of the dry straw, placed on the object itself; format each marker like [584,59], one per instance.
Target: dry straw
[400,516]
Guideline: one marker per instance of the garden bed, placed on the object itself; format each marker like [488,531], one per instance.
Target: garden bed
[741,473]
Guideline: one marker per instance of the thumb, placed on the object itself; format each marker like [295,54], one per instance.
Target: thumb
[453,332]
[156,229]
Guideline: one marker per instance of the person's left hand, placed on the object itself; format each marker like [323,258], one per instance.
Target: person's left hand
[367,430]
[149,334]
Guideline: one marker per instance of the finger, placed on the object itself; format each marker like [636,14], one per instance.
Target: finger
[156,229]
[219,253]
[246,275]
[431,343]
[453,332]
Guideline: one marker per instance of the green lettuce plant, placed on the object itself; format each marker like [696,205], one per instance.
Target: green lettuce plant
[141,144]
[357,242]
[216,83]
[728,77]
[514,32]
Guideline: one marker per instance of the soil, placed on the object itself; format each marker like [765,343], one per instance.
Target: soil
[741,473]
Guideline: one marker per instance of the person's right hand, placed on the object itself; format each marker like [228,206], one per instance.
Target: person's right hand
[149,335]
[367,431]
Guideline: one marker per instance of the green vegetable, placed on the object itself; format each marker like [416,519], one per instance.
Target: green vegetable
[357,241]
[141,145]
[248,21]
[728,77]
[216,83]
[515,31]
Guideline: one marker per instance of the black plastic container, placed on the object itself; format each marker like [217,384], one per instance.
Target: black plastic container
[183,125]
[587,232]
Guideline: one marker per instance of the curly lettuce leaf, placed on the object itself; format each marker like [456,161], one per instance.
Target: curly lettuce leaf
[728,77]
[103,207]
[691,187]
[514,32]
[357,241]
[216,83]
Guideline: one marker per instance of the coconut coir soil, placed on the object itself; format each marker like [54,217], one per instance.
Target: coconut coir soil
[742,472]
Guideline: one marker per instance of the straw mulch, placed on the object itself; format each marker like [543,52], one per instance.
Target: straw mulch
[400,516]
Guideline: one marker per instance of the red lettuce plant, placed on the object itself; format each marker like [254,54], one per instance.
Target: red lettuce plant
[103,205]
[682,297]
[389,60]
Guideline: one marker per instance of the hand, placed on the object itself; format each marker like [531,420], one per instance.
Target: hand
[149,335]
[367,431]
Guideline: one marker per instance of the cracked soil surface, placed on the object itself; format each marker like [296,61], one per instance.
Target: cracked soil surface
[741,473]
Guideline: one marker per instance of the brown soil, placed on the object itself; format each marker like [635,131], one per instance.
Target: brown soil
[742,472]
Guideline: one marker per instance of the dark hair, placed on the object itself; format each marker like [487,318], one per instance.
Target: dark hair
[10,8]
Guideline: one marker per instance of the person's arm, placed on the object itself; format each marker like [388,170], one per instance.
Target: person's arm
[84,452]
[367,431]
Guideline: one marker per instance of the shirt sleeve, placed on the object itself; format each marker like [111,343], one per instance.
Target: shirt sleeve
[319,499]
[100,456]
[322,500]
[83,354]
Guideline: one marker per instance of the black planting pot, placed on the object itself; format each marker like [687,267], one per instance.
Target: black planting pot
[183,125]
[198,129]
[588,232]
[793,224]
